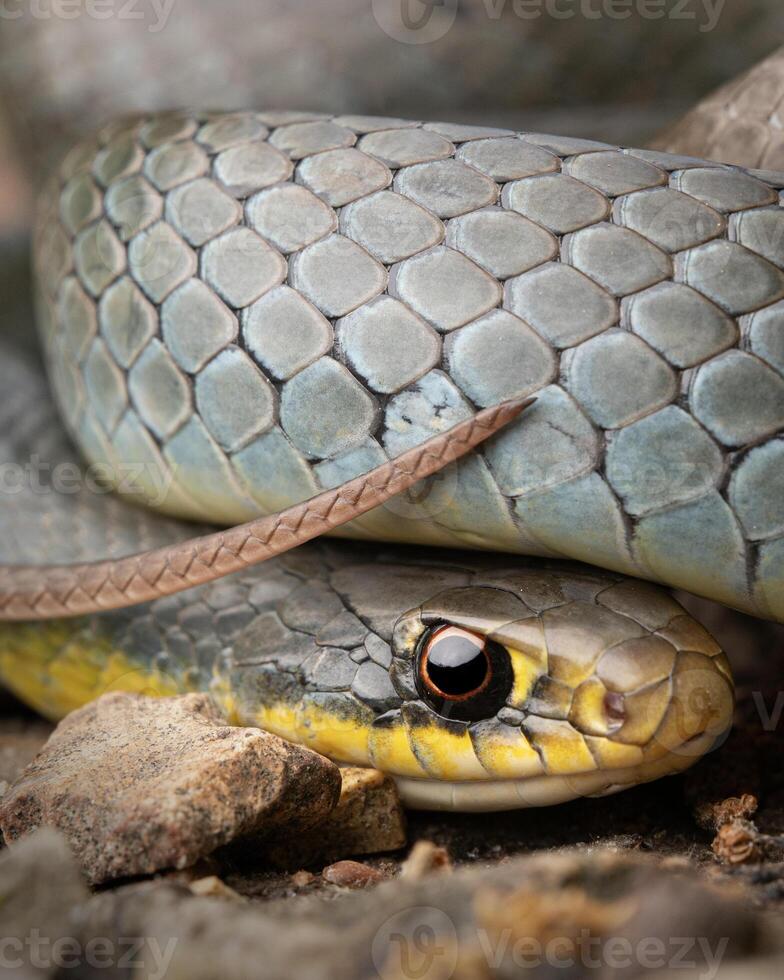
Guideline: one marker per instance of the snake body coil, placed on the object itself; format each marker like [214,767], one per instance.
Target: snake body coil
[284,301]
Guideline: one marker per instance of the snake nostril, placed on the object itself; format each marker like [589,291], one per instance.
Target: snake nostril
[615,710]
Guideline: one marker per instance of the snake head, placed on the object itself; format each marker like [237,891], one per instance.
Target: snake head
[485,686]
[532,686]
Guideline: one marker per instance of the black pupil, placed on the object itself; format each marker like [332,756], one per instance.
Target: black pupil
[457,665]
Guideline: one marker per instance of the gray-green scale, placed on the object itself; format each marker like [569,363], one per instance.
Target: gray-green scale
[255,307]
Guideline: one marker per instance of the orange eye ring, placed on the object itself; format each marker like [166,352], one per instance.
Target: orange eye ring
[461,653]
[462,675]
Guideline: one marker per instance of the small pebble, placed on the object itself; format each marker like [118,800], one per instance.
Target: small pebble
[425,858]
[351,874]
[301,879]
[213,887]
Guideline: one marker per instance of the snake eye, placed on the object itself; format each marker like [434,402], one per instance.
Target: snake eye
[455,663]
[463,674]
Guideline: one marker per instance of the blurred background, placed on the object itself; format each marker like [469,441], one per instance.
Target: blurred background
[614,69]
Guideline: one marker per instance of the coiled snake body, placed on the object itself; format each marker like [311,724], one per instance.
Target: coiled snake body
[241,310]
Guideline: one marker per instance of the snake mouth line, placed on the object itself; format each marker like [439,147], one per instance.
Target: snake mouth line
[479,796]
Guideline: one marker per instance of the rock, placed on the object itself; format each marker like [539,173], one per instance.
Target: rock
[213,887]
[41,888]
[425,858]
[368,819]
[351,874]
[140,784]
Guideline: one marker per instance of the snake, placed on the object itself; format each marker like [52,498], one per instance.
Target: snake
[522,383]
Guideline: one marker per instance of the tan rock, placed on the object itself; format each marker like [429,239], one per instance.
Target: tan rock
[140,784]
[368,819]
